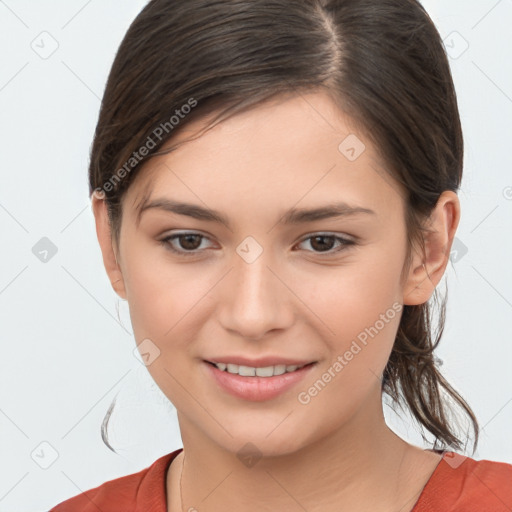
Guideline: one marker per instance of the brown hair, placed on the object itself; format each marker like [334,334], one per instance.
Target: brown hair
[382,62]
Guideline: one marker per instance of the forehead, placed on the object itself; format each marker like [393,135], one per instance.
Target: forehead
[293,148]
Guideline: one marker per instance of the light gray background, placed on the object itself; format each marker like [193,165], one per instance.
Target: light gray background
[66,353]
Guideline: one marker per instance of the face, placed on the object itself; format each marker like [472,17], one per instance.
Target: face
[268,282]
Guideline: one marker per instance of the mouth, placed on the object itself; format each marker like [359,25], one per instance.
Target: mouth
[258,371]
[256,384]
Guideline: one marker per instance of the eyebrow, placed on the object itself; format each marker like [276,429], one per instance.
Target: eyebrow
[292,216]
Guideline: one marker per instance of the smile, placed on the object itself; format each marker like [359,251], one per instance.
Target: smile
[256,384]
[250,371]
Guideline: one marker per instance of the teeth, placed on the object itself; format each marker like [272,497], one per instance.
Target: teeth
[268,371]
[232,368]
[246,371]
[279,369]
[249,371]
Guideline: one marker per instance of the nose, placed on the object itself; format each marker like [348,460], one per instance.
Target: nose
[255,299]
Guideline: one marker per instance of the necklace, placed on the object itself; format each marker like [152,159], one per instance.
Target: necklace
[181,491]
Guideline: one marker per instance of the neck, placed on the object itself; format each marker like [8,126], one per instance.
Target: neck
[364,467]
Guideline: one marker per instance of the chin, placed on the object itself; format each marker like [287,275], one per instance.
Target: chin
[258,443]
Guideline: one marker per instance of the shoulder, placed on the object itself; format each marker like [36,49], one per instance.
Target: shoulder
[144,490]
[466,485]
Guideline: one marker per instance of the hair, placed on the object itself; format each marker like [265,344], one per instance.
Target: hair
[382,62]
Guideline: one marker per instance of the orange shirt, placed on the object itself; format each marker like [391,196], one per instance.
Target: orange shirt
[458,484]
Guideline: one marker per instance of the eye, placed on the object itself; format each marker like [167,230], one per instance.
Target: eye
[324,243]
[188,243]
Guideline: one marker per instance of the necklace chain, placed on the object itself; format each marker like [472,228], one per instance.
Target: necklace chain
[181,491]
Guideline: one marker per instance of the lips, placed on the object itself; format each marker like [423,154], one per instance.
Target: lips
[260,362]
[257,388]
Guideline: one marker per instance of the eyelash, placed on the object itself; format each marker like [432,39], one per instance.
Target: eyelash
[345,243]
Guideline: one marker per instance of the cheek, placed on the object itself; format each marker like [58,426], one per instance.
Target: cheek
[162,295]
[363,319]
[351,297]
[359,307]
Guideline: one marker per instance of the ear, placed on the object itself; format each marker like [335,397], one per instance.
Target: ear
[103,232]
[427,269]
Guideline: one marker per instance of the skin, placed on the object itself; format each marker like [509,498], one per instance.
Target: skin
[294,300]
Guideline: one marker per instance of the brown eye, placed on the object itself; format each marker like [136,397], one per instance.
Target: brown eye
[184,243]
[189,242]
[321,243]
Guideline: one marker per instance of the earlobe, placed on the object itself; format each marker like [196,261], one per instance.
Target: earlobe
[427,269]
[419,286]
[104,234]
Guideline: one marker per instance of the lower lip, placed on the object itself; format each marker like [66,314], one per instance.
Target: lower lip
[257,389]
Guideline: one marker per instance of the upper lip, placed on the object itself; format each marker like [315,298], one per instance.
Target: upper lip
[260,362]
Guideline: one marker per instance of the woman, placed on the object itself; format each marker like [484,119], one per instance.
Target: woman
[274,185]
